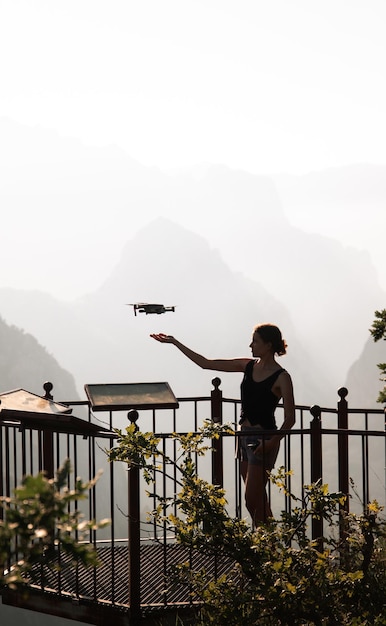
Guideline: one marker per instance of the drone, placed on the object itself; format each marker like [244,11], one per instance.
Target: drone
[144,307]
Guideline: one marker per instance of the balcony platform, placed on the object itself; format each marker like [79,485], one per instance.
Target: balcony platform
[80,587]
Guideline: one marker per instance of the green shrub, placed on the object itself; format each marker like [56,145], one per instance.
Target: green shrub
[39,518]
[277,574]
[378,332]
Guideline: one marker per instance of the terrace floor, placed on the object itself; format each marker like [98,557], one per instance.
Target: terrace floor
[97,586]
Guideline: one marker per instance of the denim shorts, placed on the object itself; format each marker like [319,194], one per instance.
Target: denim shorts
[245,447]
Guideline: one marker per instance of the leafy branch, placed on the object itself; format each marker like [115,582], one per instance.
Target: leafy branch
[276,573]
[38,520]
[378,332]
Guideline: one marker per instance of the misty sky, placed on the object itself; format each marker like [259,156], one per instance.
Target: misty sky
[266,86]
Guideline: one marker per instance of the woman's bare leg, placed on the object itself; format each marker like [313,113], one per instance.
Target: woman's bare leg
[256,500]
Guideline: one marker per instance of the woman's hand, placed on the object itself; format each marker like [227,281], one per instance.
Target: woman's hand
[221,365]
[163,338]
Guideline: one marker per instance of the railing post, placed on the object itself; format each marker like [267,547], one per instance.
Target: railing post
[343,447]
[48,438]
[1,471]
[48,453]
[134,537]
[343,470]
[316,467]
[216,416]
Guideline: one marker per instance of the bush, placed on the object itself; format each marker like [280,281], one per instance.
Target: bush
[378,332]
[278,575]
[37,520]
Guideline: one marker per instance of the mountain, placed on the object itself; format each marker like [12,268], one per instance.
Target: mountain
[330,289]
[100,340]
[345,203]
[363,378]
[25,364]
[351,185]
[69,210]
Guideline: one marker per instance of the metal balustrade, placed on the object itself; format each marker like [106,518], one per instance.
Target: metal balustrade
[136,554]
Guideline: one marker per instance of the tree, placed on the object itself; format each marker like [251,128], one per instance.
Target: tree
[40,518]
[277,574]
[378,331]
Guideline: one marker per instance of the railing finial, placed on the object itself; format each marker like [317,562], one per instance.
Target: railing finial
[133,416]
[342,392]
[216,382]
[48,387]
[316,411]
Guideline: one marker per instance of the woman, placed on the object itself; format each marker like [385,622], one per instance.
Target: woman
[262,387]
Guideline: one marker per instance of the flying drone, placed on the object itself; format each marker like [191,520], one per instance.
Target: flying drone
[144,307]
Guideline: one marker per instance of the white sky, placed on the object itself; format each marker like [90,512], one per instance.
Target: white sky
[267,86]
[263,85]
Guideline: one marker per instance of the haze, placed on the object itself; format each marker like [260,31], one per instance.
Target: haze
[258,125]
[262,86]
[267,87]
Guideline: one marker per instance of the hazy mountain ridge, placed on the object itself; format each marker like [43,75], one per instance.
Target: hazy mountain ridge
[55,326]
[100,340]
[346,203]
[184,270]
[25,364]
[225,232]
[361,183]
[363,378]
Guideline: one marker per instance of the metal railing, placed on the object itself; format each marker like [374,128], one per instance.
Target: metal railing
[321,446]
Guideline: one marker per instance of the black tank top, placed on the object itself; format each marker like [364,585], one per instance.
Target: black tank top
[258,402]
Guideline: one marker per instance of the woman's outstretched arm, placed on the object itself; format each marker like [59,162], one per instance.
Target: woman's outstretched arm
[221,365]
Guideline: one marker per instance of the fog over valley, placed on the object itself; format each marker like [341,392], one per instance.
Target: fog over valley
[226,158]
[87,230]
